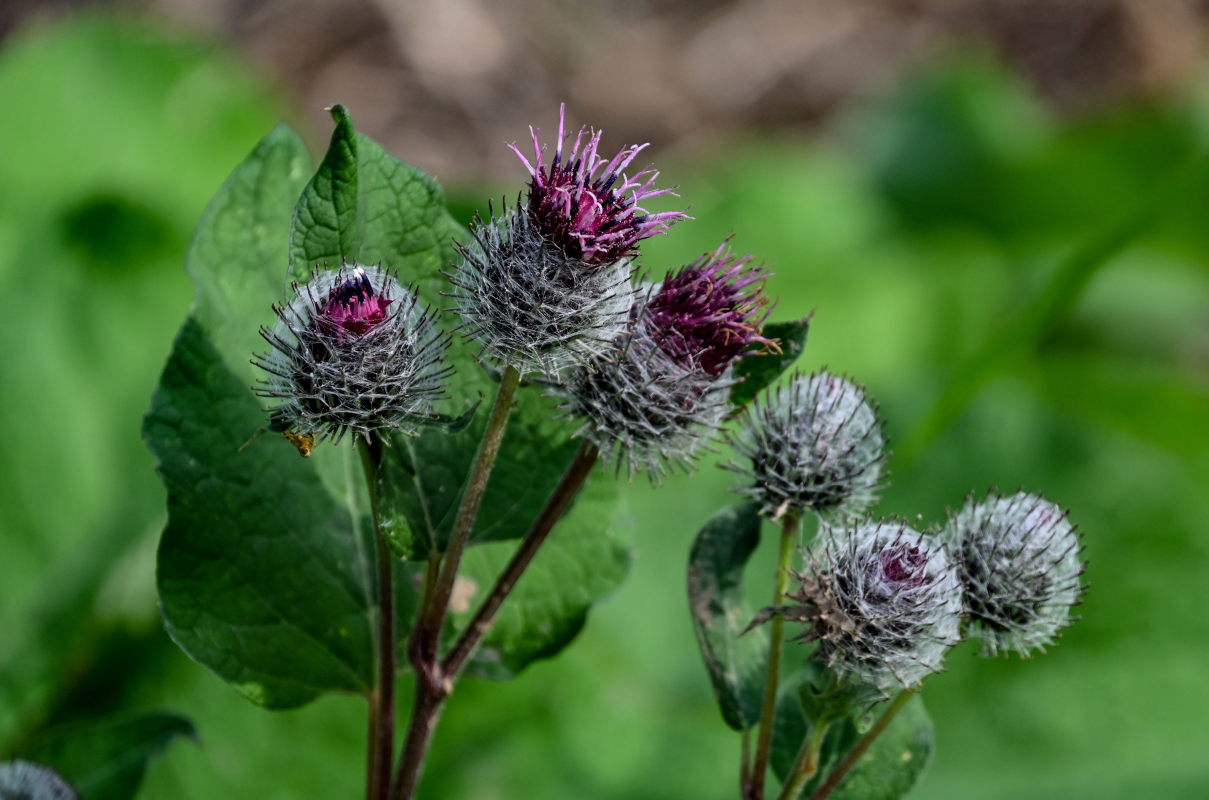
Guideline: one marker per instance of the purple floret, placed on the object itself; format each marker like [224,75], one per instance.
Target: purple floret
[588,206]
[710,311]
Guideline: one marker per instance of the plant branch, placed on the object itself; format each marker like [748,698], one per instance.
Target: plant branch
[806,764]
[744,760]
[556,506]
[433,685]
[755,786]
[382,697]
[468,511]
[849,761]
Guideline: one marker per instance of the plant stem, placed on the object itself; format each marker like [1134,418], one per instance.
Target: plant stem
[744,760]
[382,697]
[755,786]
[557,505]
[468,511]
[849,761]
[432,684]
[806,764]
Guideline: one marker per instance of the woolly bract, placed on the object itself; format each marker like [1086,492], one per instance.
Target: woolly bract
[1019,561]
[882,600]
[814,443]
[353,351]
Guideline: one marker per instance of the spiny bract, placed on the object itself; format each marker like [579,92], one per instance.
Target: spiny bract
[814,443]
[352,352]
[883,601]
[1019,561]
[663,390]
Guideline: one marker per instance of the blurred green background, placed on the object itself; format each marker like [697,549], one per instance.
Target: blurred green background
[1026,293]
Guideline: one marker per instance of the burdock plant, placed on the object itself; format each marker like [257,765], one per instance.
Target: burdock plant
[881,602]
[284,575]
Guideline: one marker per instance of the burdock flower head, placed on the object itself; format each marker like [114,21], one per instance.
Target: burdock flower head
[1019,561]
[546,285]
[352,352]
[814,443]
[882,600]
[663,389]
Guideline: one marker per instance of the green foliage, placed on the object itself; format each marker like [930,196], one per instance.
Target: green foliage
[106,759]
[737,662]
[759,371]
[126,129]
[124,132]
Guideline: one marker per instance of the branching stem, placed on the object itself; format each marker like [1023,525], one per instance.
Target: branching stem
[849,761]
[806,764]
[556,506]
[433,684]
[468,511]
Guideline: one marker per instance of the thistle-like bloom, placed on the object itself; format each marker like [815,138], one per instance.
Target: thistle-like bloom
[546,285]
[1019,561]
[882,600]
[23,779]
[663,390]
[587,206]
[352,352]
[814,443]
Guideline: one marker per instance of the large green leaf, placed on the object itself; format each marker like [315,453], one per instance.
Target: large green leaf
[105,760]
[736,661]
[263,573]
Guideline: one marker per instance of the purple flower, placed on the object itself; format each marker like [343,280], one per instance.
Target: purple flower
[901,567]
[709,311]
[883,602]
[546,286]
[353,351]
[588,206]
[663,390]
[354,306]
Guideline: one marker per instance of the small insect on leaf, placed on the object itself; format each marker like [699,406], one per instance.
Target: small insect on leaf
[305,442]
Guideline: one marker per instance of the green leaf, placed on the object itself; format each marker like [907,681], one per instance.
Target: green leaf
[736,663]
[325,230]
[756,372]
[263,570]
[889,768]
[262,576]
[895,761]
[105,760]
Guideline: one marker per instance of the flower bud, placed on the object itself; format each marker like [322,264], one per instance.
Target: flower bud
[882,600]
[546,285]
[663,390]
[1019,561]
[353,351]
[24,780]
[814,443]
